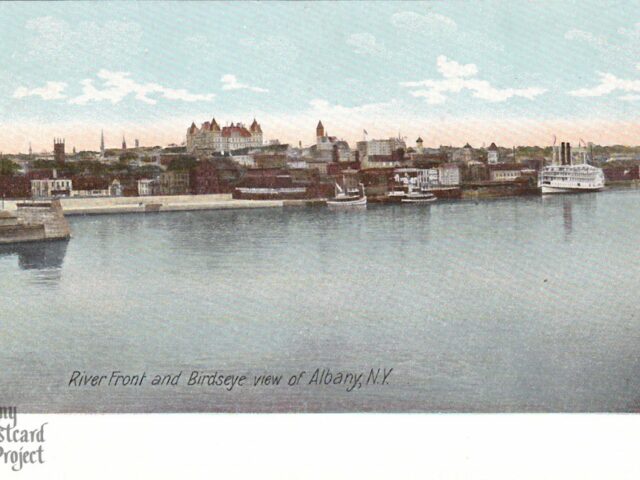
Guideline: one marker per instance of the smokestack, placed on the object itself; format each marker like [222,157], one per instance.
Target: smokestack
[568,151]
[562,157]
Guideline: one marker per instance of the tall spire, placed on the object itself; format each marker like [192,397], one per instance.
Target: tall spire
[102,143]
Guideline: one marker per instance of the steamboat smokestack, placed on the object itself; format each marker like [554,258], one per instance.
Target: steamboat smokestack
[568,152]
[562,153]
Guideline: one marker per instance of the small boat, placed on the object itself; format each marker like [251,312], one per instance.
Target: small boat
[419,197]
[351,198]
[414,189]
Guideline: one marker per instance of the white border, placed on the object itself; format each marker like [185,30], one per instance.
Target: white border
[320,446]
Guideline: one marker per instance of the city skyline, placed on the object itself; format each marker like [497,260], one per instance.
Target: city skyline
[449,72]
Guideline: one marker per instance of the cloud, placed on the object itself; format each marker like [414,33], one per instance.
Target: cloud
[366,44]
[452,69]
[320,107]
[632,33]
[230,82]
[621,46]
[118,85]
[439,30]
[629,98]
[609,83]
[429,21]
[598,41]
[458,77]
[52,39]
[272,46]
[50,91]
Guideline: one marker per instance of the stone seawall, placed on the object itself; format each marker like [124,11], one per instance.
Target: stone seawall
[47,214]
[21,233]
[147,204]
[34,221]
[475,190]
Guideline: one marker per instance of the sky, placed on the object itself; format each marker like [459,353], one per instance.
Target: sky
[514,73]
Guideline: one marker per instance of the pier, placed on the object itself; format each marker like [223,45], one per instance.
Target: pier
[34,221]
[149,204]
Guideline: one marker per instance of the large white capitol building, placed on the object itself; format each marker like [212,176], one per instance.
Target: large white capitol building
[210,137]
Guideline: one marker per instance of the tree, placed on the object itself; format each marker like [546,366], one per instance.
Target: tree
[182,163]
[126,156]
[7,167]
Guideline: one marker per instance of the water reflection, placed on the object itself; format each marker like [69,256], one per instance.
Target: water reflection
[37,255]
[575,207]
[567,218]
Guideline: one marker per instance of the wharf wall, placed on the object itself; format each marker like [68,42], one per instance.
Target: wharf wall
[622,183]
[474,190]
[155,203]
[47,214]
[34,222]
[21,233]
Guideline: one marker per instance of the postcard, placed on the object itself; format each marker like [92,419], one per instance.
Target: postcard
[312,207]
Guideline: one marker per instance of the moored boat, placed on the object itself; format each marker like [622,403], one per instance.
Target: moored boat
[352,197]
[419,197]
[565,177]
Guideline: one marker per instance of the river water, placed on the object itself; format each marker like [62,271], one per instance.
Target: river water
[522,304]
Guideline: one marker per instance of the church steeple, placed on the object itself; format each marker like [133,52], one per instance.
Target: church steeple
[102,143]
[320,129]
[124,143]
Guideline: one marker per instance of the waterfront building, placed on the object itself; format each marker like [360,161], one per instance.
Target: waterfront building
[621,157]
[416,177]
[419,146]
[449,174]
[246,160]
[148,186]
[205,178]
[320,165]
[380,161]
[88,186]
[493,154]
[211,138]
[115,188]
[463,155]
[508,172]
[328,148]
[381,153]
[270,160]
[174,183]
[298,164]
[272,183]
[622,173]
[51,187]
